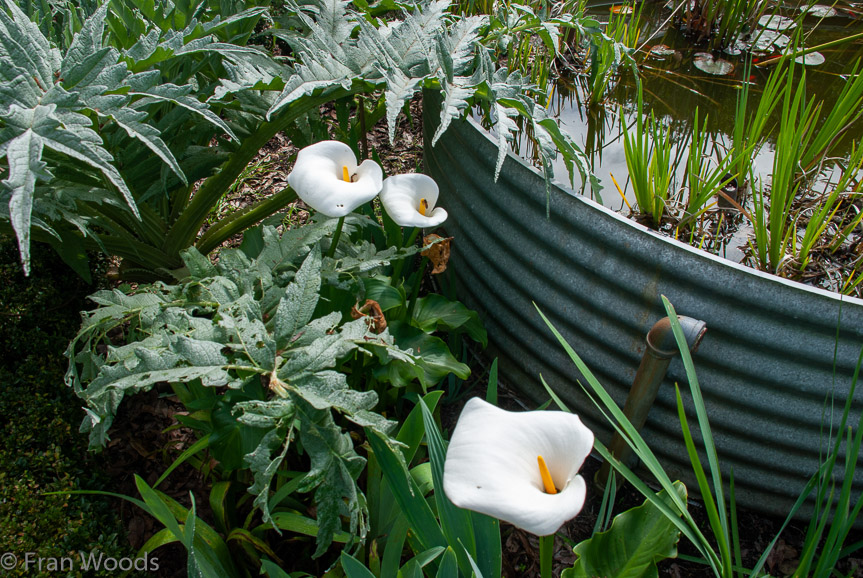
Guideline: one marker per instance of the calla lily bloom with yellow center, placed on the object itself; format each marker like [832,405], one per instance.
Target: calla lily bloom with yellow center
[409,199]
[327,178]
[495,462]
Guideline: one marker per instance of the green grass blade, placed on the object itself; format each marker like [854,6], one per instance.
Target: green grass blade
[456,522]
[703,486]
[423,559]
[420,517]
[413,429]
[218,504]
[491,392]
[448,565]
[195,448]
[285,491]
[735,531]
[354,568]
[810,486]
[477,573]
[299,524]
[394,547]
[159,539]
[158,509]
[706,434]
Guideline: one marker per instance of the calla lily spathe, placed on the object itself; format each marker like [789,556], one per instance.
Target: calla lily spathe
[409,199]
[327,178]
[491,465]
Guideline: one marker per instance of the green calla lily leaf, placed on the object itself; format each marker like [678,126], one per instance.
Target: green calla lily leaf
[388,297]
[434,360]
[636,541]
[435,312]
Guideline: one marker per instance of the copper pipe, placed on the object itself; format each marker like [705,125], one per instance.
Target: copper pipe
[661,349]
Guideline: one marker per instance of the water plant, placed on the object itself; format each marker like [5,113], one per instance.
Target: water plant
[846,111]
[648,151]
[802,147]
[608,52]
[703,179]
[751,128]
[720,23]
[772,225]
[826,209]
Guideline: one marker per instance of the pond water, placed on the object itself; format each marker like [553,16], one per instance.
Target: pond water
[674,88]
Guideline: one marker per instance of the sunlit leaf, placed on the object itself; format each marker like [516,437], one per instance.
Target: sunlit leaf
[811,59]
[661,52]
[706,62]
[820,11]
[776,22]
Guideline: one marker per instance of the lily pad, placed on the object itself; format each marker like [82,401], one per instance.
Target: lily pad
[661,51]
[776,22]
[765,40]
[782,41]
[735,49]
[705,62]
[811,59]
[820,11]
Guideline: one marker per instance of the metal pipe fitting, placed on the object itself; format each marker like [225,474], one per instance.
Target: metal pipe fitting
[661,349]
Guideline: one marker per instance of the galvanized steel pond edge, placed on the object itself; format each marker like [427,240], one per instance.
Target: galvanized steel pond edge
[776,362]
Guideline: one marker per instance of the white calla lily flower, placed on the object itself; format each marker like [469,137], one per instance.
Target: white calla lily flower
[492,465]
[409,199]
[327,178]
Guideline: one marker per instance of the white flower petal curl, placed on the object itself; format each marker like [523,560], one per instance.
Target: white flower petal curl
[491,465]
[318,178]
[401,196]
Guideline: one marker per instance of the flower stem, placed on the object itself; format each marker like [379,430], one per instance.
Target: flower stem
[361,110]
[416,289]
[546,554]
[397,271]
[412,239]
[336,236]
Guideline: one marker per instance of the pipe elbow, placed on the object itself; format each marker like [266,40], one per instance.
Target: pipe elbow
[660,338]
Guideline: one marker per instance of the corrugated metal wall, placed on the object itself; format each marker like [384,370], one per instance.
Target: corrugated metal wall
[773,354]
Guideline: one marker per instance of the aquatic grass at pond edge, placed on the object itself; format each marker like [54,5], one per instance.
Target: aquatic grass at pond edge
[703,180]
[801,151]
[649,160]
[826,210]
[719,23]
[772,225]
[607,53]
